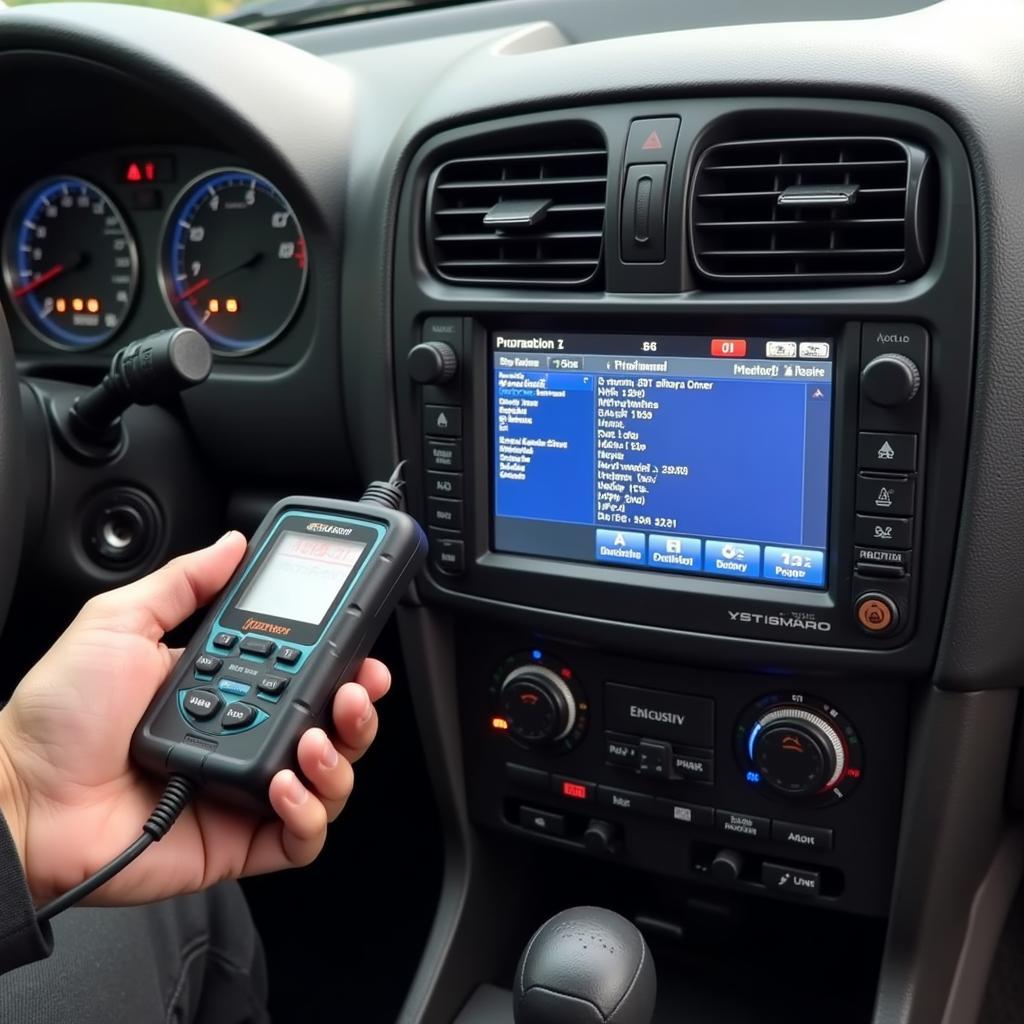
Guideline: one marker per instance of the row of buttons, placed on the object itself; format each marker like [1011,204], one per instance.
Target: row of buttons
[659,760]
[255,647]
[204,704]
[805,567]
[732,823]
[269,684]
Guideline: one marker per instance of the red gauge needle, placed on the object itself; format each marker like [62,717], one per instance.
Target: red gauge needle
[197,287]
[249,261]
[49,275]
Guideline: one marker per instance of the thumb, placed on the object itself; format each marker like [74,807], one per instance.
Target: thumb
[167,597]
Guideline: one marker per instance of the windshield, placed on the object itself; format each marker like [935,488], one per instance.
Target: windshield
[276,14]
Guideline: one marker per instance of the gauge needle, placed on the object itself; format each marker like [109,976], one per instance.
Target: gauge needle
[77,260]
[48,275]
[249,261]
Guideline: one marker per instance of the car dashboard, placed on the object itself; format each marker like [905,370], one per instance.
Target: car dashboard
[698,345]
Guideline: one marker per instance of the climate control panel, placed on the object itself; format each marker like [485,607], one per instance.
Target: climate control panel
[685,770]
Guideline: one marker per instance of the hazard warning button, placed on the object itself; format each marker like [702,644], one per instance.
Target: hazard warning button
[652,140]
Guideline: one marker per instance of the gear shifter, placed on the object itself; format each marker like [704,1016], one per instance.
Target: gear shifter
[585,966]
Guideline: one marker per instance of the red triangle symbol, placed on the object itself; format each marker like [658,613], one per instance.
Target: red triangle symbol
[653,141]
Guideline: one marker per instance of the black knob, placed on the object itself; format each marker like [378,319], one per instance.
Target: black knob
[432,362]
[890,379]
[727,866]
[538,706]
[602,836]
[584,965]
[798,752]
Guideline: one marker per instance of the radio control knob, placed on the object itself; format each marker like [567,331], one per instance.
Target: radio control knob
[890,379]
[797,751]
[538,705]
[432,362]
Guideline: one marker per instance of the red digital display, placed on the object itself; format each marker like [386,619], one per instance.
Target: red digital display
[729,348]
[575,790]
[146,170]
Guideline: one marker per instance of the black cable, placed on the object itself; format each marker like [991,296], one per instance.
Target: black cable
[387,493]
[173,801]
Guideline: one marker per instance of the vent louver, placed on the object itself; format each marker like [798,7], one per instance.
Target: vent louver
[812,210]
[525,216]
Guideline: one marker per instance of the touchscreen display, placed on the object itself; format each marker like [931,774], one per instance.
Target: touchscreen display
[671,453]
[301,577]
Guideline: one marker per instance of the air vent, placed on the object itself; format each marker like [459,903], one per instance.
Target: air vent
[525,217]
[814,209]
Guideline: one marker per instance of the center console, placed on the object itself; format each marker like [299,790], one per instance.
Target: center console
[698,537]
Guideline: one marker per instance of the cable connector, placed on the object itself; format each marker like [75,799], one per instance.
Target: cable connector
[387,493]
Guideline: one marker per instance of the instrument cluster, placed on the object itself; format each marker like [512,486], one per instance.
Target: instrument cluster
[124,243]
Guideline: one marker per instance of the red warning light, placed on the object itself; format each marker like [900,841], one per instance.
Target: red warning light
[566,673]
[853,773]
[729,348]
[653,141]
[575,790]
[134,173]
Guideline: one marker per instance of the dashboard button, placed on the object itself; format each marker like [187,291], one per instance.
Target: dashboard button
[623,800]
[892,452]
[806,836]
[883,531]
[655,759]
[877,613]
[528,778]
[444,485]
[621,752]
[686,813]
[546,822]
[780,878]
[572,789]
[885,495]
[448,552]
[738,824]
[692,767]
[443,455]
[868,558]
[652,140]
[443,420]
[445,513]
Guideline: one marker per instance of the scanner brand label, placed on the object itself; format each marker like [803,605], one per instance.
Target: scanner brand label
[341,531]
[259,626]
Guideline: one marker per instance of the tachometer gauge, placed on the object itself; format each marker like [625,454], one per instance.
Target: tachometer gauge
[233,262]
[70,263]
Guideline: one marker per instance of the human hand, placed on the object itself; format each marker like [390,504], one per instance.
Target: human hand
[74,800]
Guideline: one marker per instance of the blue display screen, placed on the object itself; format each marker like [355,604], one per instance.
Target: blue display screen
[670,453]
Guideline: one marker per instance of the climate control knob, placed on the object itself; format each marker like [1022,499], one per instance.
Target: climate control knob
[800,748]
[798,752]
[538,705]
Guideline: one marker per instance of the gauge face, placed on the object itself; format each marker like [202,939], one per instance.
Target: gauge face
[70,263]
[234,260]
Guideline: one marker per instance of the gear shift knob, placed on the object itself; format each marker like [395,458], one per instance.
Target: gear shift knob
[585,966]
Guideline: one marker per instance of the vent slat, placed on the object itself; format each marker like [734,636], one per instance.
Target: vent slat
[564,186]
[739,230]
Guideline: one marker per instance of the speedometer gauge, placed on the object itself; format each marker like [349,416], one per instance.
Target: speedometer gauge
[233,263]
[70,263]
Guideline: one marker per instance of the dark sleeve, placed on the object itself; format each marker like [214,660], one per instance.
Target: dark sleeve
[22,938]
